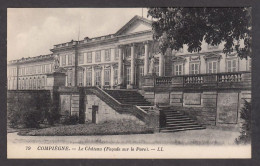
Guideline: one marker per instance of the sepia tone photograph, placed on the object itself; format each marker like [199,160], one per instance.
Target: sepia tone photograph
[129,82]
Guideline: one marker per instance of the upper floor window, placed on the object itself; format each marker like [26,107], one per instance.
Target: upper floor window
[211,47]
[81,58]
[231,65]
[80,78]
[115,76]
[141,70]
[43,68]
[116,53]
[107,77]
[69,59]
[89,57]
[63,60]
[178,69]
[107,55]
[249,64]
[98,56]
[89,77]
[156,69]
[47,67]
[140,51]
[127,51]
[70,77]
[194,68]
[212,67]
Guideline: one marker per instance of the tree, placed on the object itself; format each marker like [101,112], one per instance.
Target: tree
[174,27]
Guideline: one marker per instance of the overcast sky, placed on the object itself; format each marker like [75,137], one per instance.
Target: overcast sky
[32,32]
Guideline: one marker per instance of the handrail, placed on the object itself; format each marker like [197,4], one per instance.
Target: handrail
[108,95]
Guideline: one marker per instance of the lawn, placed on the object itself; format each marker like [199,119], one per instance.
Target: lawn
[107,128]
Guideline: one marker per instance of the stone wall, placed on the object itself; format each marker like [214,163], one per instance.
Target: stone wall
[208,107]
[105,112]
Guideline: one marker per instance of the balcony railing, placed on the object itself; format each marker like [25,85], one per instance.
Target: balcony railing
[219,80]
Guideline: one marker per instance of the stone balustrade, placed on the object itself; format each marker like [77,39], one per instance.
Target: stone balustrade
[234,79]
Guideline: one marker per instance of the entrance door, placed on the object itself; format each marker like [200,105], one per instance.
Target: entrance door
[94,113]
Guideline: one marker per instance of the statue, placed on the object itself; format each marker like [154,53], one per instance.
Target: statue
[151,67]
[56,62]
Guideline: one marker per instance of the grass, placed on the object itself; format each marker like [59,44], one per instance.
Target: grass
[107,128]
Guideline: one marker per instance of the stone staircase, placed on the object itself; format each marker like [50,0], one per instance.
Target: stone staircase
[128,97]
[173,121]
[170,119]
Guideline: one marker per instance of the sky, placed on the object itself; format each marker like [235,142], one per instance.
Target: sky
[33,31]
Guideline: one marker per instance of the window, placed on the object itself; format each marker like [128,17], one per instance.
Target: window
[47,67]
[43,82]
[69,80]
[81,58]
[39,83]
[89,57]
[98,77]
[212,67]
[107,77]
[115,76]
[80,78]
[107,55]
[127,51]
[128,75]
[231,65]
[249,64]
[178,69]
[141,71]
[211,47]
[43,68]
[69,59]
[98,56]
[116,53]
[89,77]
[140,51]
[194,68]
[156,69]
[63,60]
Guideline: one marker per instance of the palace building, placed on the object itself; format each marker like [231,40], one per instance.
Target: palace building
[119,60]
[123,75]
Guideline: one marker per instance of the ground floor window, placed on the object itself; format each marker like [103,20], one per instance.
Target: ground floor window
[107,77]
[194,68]
[89,78]
[128,75]
[98,77]
[212,67]
[39,82]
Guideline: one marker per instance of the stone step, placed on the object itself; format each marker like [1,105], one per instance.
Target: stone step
[180,124]
[182,129]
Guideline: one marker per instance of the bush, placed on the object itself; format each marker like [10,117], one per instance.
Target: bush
[71,120]
[245,114]
[32,119]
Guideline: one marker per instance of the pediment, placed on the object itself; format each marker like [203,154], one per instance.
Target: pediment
[136,24]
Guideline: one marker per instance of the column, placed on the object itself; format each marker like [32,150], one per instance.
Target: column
[161,65]
[146,58]
[132,65]
[120,66]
